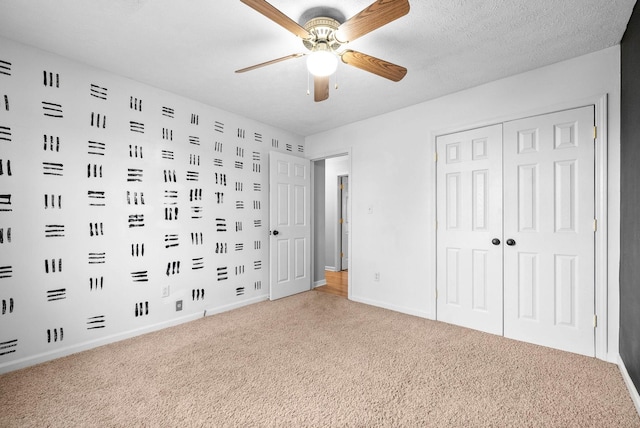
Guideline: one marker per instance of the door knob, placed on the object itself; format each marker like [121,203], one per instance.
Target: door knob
[495,241]
[511,242]
[275,232]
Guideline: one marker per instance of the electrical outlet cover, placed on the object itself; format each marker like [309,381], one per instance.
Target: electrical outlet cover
[178,305]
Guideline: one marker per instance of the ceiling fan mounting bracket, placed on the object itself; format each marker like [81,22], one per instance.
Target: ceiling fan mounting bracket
[322,31]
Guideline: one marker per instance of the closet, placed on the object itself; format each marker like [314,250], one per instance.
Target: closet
[515,234]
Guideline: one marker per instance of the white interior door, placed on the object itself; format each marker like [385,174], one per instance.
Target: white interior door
[344,222]
[290,225]
[549,216]
[469,215]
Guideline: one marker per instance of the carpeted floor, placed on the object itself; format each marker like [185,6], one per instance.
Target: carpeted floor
[317,360]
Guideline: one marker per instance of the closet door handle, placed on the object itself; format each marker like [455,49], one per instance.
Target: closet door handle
[511,242]
[495,241]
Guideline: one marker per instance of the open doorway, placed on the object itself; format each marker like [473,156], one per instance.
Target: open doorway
[331,225]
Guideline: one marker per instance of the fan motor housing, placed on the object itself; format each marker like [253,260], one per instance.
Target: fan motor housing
[322,30]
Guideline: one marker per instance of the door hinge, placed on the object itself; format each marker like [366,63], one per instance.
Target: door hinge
[341,221]
[436,224]
[436,294]
[342,255]
[595,132]
[341,186]
[595,321]
[595,224]
[435,157]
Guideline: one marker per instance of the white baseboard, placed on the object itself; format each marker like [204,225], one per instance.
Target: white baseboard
[85,346]
[320,283]
[384,305]
[635,397]
[226,308]
[331,268]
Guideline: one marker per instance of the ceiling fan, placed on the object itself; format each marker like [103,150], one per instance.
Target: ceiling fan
[325,37]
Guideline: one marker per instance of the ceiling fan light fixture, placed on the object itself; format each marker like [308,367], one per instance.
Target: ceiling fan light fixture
[323,37]
[322,63]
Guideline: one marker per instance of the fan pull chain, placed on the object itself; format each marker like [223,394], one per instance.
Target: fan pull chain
[308,82]
[336,77]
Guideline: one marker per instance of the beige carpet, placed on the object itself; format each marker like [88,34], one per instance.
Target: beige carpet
[317,360]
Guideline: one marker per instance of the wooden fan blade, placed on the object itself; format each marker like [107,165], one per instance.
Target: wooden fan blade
[278,17]
[376,15]
[374,65]
[320,88]
[273,61]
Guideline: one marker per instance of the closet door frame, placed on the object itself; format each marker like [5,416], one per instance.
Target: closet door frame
[600,102]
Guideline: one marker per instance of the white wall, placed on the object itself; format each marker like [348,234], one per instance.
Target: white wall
[392,176]
[334,167]
[219,153]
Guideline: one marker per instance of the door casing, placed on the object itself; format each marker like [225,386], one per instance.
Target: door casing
[320,157]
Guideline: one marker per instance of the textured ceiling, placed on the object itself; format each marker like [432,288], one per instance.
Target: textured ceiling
[193,47]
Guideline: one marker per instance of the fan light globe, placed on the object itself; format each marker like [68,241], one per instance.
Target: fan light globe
[322,63]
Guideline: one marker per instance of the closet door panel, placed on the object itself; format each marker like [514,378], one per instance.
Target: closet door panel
[548,215]
[469,213]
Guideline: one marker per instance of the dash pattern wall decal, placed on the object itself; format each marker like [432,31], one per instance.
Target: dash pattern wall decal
[110,187]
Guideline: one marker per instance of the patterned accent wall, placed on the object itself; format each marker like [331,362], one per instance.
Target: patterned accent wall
[123,208]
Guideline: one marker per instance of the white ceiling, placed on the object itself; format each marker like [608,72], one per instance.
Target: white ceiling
[192,47]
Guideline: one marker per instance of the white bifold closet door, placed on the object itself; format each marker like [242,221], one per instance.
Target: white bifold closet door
[549,273]
[469,212]
[515,243]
